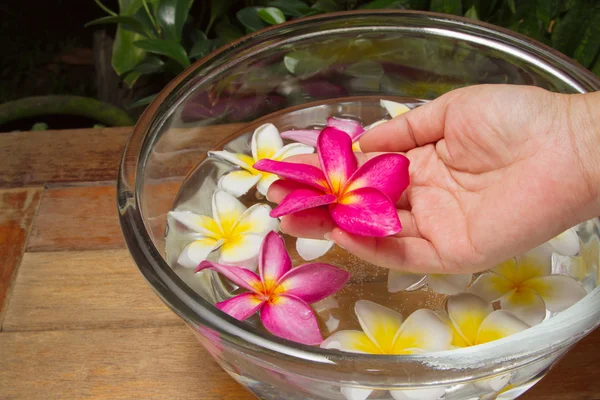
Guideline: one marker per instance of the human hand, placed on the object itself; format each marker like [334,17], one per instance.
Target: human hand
[495,170]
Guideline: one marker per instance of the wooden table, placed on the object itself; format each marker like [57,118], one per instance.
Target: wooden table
[78,321]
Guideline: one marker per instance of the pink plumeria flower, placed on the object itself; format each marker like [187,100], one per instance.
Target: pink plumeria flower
[526,287]
[266,144]
[279,293]
[360,200]
[353,128]
[447,284]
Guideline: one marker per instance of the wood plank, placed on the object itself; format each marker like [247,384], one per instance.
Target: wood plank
[17,209]
[87,155]
[152,363]
[80,290]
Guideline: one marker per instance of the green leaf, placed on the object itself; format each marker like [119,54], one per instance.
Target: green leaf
[547,10]
[381,4]
[201,48]
[128,23]
[577,34]
[596,67]
[169,48]
[271,15]
[226,31]
[249,18]
[512,6]
[292,8]
[472,13]
[39,126]
[143,101]
[447,6]
[302,63]
[326,6]
[150,65]
[365,69]
[218,8]
[171,15]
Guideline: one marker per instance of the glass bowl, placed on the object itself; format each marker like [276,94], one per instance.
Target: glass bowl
[335,63]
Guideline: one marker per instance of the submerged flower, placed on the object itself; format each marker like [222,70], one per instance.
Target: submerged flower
[266,144]
[279,293]
[526,287]
[235,230]
[441,283]
[566,244]
[310,249]
[353,128]
[474,321]
[360,200]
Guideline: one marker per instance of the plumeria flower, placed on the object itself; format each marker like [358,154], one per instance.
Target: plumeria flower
[360,200]
[279,293]
[441,283]
[474,321]
[311,249]
[585,265]
[385,332]
[235,230]
[266,144]
[353,128]
[526,287]
[566,244]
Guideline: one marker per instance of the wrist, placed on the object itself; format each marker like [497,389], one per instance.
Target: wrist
[583,125]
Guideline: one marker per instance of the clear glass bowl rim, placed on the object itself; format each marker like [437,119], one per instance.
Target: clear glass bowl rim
[551,336]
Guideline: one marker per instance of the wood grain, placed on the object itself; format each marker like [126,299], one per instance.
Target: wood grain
[83,290]
[17,209]
[153,363]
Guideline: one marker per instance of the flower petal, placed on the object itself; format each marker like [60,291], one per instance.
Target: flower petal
[291,318]
[304,136]
[533,264]
[265,182]
[256,220]
[351,341]
[336,157]
[301,199]
[313,282]
[418,394]
[238,183]
[467,312]
[302,173]
[508,269]
[559,292]
[201,224]
[366,212]
[399,280]
[393,108]
[265,142]
[449,284]
[491,287]
[352,393]
[499,324]
[310,249]
[423,330]
[240,248]
[350,126]
[567,243]
[379,323]
[240,276]
[273,260]
[526,305]
[226,211]
[241,306]
[197,251]
[292,149]
[241,160]
[386,172]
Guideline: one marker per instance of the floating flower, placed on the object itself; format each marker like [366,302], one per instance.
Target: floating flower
[526,287]
[266,144]
[474,321]
[355,393]
[235,230]
[360,200]
[281,294]
[566,244]
[441,283]
[310,249]
[585,266]
[353,128]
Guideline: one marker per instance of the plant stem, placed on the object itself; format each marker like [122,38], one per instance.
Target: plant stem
[106,9]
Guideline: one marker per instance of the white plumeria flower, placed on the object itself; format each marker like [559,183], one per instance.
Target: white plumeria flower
[566,244]
[441,283]
[385,332]
[266,143]
[393,108]
[526,287]
[474,321]
[311,249]
[235,230]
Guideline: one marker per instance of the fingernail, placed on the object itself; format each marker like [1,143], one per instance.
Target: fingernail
[268,198]
[327,236]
